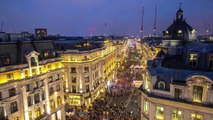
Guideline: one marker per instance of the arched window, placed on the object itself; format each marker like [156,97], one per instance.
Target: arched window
[161,85]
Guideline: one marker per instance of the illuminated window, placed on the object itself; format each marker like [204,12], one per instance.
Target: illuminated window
[196,116]
[159,113]
[193,59]
[25,73]
[161,85]
[59,102]
[12,92]
[33,71]
[86,78]
[16,118]
[197,93]
[35,85]
[56,65]
[29,101]
[10,76]
[73,70]
[176,115]
[52,104]
[73,79]
[37,98]
[178,93]
[147,84]
[49,67]
[146,107]
[13,107]
[211,61]
[37,112]
[46,54]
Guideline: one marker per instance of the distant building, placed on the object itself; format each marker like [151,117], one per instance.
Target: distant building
[40,33]
[178,34]
[178,83]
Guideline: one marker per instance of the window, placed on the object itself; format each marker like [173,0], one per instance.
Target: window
[87,88]
[59,102]
[159,113]
[37,98]
[40,70]
[25,73]
[56,65]
[73,70]
[43,95]
[86,69]
[35,85]
[51,90]
[178,93]
[197,93]
[193,59]
[161,85]
[13,107]
[33,61]
[73,79]
[12,92]
[50,78]
[1,112]
[147,84]
[49,67]
[52,104]
[10,76]
[28,87]
[29,101]
[146,107]
[196,116]
[58,88]
[176,115]
[211,61]
[16,118]
[57,76]
[46,54]
[86,78]
[37,112]
[6,61]
[73,88]
[33,71]
[30,115]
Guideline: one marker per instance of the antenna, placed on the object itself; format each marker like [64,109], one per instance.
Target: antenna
[14,28]
[154,29]
[2,24]
[142,22]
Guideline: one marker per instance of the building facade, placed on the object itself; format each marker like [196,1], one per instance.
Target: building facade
[178,83]
[88,67]
[31,81]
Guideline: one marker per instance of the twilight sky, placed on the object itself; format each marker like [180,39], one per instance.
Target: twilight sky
[86,17]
